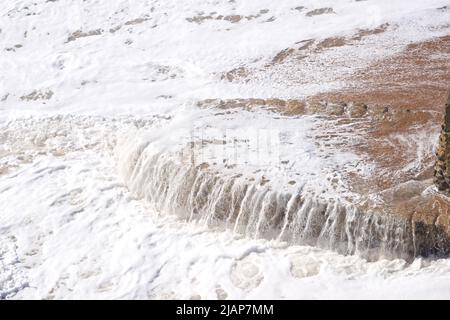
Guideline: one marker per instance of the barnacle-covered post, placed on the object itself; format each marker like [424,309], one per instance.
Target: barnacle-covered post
[442,166]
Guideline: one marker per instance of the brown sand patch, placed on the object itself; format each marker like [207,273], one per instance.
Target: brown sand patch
[305,44]
[115,29]
[3,170]
[236,74]
[422,78]
[369,32]
[295,107]
[299,8]
[282,55]
[331,43]
[201,17]
[233,18]
[405,94]
[136,21]
[292,53]
[318,12]
[287,107]
[80,34]
[38,95]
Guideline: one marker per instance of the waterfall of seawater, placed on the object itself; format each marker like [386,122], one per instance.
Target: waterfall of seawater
[197,193]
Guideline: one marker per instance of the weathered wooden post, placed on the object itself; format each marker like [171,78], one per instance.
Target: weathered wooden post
[442,166]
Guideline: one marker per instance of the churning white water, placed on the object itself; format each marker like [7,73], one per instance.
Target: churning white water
[70,228]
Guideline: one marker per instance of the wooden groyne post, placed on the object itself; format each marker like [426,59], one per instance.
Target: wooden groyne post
[442,166]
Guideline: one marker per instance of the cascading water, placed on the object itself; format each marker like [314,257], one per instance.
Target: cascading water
[174,182]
